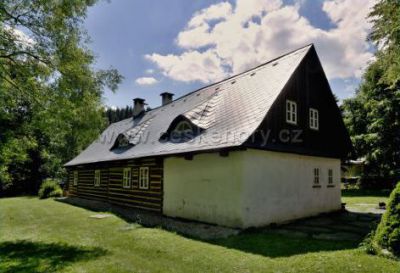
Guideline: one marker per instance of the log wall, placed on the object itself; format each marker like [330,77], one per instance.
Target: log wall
[111,187]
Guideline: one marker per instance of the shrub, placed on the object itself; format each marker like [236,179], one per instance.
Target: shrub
[50,188]
[388,232]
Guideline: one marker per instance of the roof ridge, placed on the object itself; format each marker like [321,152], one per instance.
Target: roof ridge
[237,75]
[224,80]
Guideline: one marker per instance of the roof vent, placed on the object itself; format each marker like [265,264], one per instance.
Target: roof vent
[275,63]
[233,82]
[252,74]
[138,106]
[166,98]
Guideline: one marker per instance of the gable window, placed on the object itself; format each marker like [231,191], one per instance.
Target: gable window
[330,176]
[75,178]
[143,177]
[126,182]
[314,119]
[97,178]
[291,112]
[316,176]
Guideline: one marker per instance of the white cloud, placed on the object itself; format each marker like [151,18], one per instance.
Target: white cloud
[225,39]
[190,66]
[146,81]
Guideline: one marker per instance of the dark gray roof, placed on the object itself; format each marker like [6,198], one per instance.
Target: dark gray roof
[228,112]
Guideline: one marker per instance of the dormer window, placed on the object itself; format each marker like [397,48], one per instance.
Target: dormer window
[183,131]
[180,130]
[314,119]
[122,141]
[291,112]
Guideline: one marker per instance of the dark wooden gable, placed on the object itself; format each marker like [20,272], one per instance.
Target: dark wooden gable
[308,87]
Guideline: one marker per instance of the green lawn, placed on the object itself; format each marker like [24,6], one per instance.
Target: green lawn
[364,200]
[48,236]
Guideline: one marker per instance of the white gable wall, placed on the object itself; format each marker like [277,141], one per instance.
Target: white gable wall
[207,188]
[278,187]
[248,188]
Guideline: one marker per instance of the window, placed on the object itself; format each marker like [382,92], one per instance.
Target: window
[291,112]
[144,178]
[75,178]
[330,176]
[126,182]
[97,178]
[316,176]
[314,119]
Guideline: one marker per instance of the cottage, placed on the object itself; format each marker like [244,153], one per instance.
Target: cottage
[261,147]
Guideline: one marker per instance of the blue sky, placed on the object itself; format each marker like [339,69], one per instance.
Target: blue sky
[180,45]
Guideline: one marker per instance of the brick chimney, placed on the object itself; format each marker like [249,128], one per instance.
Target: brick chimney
[166,98]
[138,106]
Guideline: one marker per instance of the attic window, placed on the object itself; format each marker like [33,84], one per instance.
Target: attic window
[121,142]
[291,112]
[314,119]
[182,131]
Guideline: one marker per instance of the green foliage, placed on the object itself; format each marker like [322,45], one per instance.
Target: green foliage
[373,115]
[50,95]
[388,232]
[50,188]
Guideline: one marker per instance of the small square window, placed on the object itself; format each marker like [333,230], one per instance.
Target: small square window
[75,178]
[316,176]
[330,176]
[126,182]
[97,178]
[314,119]
[143,177]
[291,112]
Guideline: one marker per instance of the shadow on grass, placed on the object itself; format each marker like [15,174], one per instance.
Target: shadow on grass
[276,245]
[264,241]
[36,257]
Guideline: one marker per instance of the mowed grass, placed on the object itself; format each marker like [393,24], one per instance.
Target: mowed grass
[364,200]
[48,236]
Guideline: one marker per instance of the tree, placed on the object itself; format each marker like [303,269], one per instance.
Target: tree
[373,115]
[50,96]
[117,114]
[387,235]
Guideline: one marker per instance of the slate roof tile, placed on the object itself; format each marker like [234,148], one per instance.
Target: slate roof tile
[231,111]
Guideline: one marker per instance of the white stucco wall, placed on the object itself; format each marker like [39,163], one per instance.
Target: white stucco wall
[279,187]
[248,188]
[207,188]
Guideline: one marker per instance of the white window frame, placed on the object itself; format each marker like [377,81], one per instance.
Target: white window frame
[144,178]
[316,176]
[314,119]
[291,112]
[75,178]
[97,178]
[127,178]
[330,176]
